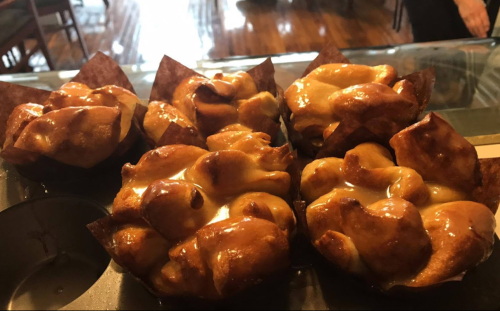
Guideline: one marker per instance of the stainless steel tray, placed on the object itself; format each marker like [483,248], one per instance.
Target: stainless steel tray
[311,284]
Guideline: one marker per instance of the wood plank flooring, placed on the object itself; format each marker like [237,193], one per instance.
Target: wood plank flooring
[142,31]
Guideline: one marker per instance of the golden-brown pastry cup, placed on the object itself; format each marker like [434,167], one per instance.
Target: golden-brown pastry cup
[350,133]
[100,71]
[172,73]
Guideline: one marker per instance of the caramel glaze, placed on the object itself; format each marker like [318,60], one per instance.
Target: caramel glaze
[376,219]
[79,95]
[336,92]
[76,125]
[19,119]
[223,211]
[81,137]
[228,102]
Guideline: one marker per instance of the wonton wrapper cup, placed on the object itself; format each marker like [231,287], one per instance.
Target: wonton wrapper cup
[487,192]
[100,71]
[350,133]
[170,75]
[278,182]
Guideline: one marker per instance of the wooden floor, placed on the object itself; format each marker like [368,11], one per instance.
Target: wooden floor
[142,31]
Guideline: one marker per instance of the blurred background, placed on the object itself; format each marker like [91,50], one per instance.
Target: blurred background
[216,35]
[142,31]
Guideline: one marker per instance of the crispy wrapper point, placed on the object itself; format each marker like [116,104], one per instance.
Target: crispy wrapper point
[102,70]
[434,149]
[423,83]
[351,134]
[489,193]
[13,95]
[178,135]
[170,74]
[263,75]
[328,55]
[103,230]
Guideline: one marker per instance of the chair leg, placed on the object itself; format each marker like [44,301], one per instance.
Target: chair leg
[3,69]
[45,50]
[396,11]
[10,59]
[65,23]
[79,32]
[22,50]
[400,20]
[40,35]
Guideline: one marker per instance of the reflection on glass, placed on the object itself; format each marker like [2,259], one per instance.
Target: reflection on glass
[466,92]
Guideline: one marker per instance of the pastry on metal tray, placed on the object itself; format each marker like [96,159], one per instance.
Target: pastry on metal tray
[337,105]
[414,220]
[186,107]
[206,224]
[58,135]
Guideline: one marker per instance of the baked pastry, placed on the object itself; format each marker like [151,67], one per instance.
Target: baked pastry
[412,225]
[207,224]
[339,103]
[73,128]
[187,108]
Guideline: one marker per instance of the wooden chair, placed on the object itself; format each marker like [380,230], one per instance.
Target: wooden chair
[398,15]
[62,7]
[18,26]
[106,3]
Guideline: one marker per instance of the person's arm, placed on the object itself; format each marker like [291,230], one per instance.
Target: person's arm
[475,16]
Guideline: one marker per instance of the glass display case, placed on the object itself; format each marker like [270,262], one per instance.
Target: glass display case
[466,91]
[467,94]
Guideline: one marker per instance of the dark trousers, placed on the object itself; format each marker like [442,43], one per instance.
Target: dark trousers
[435,20]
